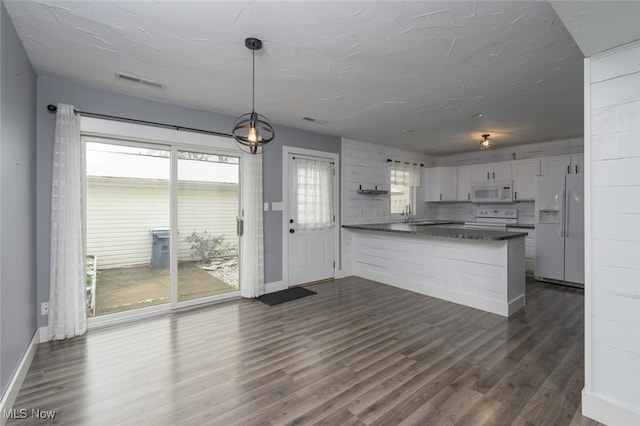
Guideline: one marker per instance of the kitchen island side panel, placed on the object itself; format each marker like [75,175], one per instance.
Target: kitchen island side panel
[516,272]
[486,275]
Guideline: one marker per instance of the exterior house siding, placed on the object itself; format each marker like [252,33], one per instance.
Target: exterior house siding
[122,211]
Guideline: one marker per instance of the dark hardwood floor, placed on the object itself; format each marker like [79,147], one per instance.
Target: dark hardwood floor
[356,353]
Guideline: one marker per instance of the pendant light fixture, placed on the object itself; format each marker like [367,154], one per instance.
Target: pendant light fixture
[253,131]
[485,143]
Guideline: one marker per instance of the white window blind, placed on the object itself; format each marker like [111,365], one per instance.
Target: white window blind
[314,201]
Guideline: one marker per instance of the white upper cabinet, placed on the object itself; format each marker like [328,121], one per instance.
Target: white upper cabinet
[556,165]
[449,183]
[502,171]
[577,163]
[563,165]
[464,183]
[441,184]
[454,183]
[431,184]
[491,171]
[524,178]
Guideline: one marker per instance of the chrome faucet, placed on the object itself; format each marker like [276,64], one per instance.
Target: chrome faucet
[407,213]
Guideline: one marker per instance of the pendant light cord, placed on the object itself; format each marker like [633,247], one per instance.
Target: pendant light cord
[253,131]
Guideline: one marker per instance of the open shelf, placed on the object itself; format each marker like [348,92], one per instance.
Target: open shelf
[375,191]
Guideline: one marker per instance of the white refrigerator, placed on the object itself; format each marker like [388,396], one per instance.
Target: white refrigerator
[560,229]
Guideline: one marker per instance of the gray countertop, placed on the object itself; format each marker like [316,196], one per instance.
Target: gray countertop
[525,226]
[438,230]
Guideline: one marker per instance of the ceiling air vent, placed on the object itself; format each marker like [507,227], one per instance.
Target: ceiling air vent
[315,120]
[140,80]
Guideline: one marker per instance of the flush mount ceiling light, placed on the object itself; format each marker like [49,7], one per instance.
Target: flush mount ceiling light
[485,143]
[253,131]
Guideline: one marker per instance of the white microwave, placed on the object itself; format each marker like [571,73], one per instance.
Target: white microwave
[497,191]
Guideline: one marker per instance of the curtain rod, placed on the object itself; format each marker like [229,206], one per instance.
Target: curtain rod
[389,160]
[52,108]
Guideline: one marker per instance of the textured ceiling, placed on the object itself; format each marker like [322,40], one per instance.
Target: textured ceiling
[406,74]
[600,25]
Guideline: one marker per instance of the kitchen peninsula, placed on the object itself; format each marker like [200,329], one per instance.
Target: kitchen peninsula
[483,269]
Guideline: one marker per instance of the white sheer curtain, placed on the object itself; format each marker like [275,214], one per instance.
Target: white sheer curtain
[404,173]
[252,252]
[67,306]
[313,180]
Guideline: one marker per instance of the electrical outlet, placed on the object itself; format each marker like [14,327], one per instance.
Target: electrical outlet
[44,308]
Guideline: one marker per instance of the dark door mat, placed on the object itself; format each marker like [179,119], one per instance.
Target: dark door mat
[282,296]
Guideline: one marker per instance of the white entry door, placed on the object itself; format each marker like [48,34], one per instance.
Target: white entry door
[311,218]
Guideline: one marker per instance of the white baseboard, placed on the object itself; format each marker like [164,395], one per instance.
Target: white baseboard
[516,304]
[9,397]
[275,286]
[494,307]
[607,411]
[44,334]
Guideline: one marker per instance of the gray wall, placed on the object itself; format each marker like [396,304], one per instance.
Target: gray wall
[53,91]
[272,189]
[17,201]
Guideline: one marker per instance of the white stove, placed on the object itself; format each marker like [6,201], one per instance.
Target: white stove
[496,219]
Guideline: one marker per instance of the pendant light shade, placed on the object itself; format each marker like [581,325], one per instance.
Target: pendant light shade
[253,131]
[485,143]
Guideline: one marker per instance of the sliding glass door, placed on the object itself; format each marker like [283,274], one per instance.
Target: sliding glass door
[139,199]
[208,205]
[127,216]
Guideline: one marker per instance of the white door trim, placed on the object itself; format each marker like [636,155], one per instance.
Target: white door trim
[335,157]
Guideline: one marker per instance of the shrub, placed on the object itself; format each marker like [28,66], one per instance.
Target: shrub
[207,246]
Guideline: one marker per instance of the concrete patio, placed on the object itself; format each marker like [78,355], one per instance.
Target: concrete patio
[123,289]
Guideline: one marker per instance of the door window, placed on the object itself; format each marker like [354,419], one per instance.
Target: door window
[313,180]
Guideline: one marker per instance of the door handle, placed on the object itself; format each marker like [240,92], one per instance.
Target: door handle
[291,231]
[563,214]
[487,175]
[566,214]
[290,220]
[239,226]
[494,175]
[576,169]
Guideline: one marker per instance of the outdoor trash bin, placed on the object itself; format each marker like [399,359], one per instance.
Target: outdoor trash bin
[160,248]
